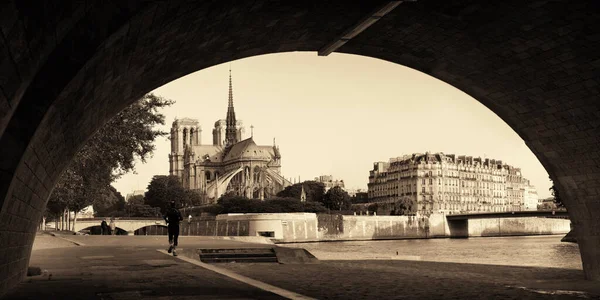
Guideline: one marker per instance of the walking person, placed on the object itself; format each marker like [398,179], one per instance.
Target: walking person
[103,227]
[173,217]
[112,226]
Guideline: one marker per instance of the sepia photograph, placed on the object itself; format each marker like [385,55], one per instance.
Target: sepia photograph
[187,149]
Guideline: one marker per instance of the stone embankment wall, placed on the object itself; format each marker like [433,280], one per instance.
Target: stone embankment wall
[518,226]
[215,228]
[337,227]
[305,227]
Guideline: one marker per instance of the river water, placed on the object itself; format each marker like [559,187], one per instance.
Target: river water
[538,251]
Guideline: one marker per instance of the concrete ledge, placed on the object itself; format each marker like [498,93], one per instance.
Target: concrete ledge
[266,216]
[569,238]
[296,256]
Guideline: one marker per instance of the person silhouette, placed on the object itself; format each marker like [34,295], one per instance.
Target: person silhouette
[103,227]
[172,218]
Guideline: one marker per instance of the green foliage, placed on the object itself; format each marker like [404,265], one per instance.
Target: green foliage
[109,203]
[142,210]
[314,191]
[137,199]
[556,195]
[109,154]
[164,189]
[337,199]
[239,204]
[403,207]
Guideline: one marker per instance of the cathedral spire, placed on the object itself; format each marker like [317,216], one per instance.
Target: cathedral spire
[231,129]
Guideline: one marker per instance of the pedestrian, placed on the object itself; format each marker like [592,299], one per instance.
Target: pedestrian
[112,226]
[103,227]
[173,217]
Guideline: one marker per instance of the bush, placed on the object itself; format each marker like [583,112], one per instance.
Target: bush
[238,204]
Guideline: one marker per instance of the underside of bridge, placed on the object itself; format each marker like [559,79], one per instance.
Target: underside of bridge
[66,67]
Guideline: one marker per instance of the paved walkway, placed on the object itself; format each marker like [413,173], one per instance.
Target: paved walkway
[126,268]
[132,268]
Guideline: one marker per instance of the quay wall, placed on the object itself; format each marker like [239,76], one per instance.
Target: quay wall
[307,227]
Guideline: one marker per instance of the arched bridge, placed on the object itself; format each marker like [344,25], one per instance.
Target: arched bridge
[513,214]
[129,225]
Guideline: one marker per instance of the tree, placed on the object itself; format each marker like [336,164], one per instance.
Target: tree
[109,154]
[109,203]
[193,198]
[314,191]
[404,206]
[556,195]
[337,199]
[164,189]
[136,199]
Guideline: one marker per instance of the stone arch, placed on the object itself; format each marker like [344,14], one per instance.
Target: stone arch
[153,229]
[96,230]
[540,81]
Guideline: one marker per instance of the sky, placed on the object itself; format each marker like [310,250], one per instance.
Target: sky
[337,115]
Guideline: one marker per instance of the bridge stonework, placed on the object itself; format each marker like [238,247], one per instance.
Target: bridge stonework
[128,225]
[66,68]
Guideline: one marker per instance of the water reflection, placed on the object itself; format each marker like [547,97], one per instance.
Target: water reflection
[540,251]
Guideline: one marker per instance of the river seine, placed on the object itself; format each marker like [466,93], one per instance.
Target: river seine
[538,251]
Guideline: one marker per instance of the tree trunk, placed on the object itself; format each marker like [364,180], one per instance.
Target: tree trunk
[62,221]
[74,219]
[68,217]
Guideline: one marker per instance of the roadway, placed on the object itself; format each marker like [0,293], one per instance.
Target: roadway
[513,214]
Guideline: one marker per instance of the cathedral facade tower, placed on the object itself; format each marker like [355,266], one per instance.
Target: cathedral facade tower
[184,133]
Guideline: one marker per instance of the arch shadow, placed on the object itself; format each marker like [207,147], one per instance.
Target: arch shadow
[538,79]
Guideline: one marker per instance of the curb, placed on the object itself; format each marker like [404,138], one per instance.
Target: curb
[66,239]
[249,281]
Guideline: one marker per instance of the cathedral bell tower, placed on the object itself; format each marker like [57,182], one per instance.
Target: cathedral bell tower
[231,135]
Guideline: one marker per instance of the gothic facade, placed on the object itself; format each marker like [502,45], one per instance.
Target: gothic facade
[231,164]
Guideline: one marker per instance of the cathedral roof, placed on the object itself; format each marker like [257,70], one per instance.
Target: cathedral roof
[247,149]
[211,151]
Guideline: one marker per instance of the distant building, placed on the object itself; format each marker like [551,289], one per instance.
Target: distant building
[135,193]
[329,182]
[447,183]
[86,212]
[354,192]
[531,197]
[546,204]
[360,196]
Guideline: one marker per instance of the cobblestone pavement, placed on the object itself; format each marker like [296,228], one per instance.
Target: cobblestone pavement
[379,279]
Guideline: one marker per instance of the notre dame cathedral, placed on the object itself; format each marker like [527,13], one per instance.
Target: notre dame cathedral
[229,164]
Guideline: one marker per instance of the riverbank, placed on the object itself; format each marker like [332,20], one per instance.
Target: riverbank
[129,267]
[400,279]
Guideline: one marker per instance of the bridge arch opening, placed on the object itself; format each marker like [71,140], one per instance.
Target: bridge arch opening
[548,97]
[97,230]
[152,230]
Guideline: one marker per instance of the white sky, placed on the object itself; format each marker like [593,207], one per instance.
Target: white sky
[336,115]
